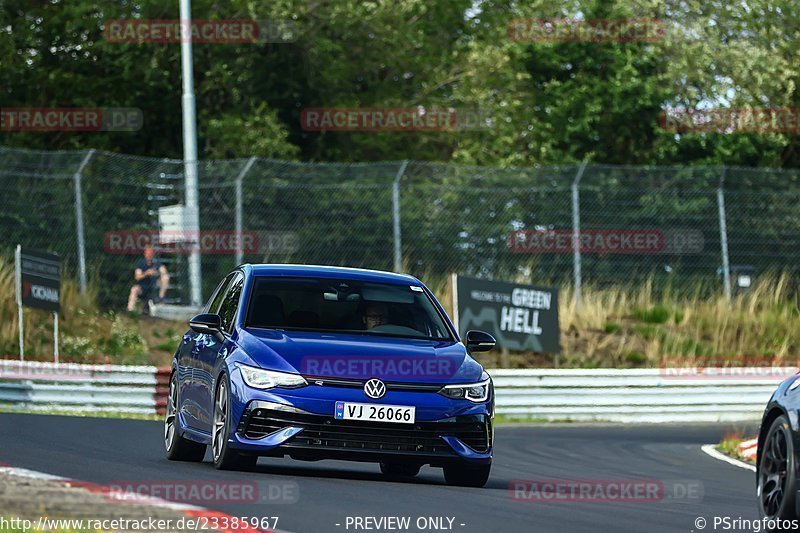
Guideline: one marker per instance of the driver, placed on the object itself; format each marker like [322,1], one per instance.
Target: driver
[375,315]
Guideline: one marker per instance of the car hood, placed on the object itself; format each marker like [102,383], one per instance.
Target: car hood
[354,356]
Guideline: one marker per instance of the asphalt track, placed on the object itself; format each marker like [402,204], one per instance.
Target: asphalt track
[110,451]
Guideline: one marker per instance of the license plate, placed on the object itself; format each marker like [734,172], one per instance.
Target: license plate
[376,413]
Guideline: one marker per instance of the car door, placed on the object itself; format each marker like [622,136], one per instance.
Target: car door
[191,393]
[209,350]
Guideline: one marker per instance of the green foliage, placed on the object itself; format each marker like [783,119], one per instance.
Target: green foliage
[167,346]
[549,102]
[123,340]
[77,347]
[658,314]
[647,331]
[635,358]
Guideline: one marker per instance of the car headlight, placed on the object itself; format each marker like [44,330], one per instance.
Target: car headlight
[474,392]
[258,378]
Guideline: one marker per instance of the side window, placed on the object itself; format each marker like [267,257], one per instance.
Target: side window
[231,302]
[216,300]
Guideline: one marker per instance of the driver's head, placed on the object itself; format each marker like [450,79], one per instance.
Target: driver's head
[375,314]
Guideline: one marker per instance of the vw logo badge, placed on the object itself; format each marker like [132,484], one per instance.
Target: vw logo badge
[375,389]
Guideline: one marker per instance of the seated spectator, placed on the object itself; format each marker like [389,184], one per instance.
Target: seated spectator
[150,274]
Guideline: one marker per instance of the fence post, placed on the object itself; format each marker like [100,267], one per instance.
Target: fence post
[576,233]
[239,201]
[723,237]
[77,178]
[398,253]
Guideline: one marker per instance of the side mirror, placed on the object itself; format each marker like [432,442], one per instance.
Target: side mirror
[207,324]
[479,341]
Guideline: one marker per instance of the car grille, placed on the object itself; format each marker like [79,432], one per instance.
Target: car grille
[324,432]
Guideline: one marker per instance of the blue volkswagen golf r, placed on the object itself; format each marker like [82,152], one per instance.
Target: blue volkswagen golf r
[318,362]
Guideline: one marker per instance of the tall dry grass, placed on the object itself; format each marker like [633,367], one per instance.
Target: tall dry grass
[86,333]
[38,323]
[613,327]
[620,327]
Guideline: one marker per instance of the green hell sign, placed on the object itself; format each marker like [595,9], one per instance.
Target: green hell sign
[520,317]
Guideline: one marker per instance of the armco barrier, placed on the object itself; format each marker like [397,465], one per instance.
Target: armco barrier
[75,387]
[636,395]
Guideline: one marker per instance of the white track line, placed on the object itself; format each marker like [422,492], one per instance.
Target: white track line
[711,450]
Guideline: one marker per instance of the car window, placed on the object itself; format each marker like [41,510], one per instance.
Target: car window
[231,302]
[339,305]
[216,299]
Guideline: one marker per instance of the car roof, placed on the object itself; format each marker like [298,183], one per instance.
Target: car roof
[362,274]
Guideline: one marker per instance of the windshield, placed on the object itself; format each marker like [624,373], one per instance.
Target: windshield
[348,306]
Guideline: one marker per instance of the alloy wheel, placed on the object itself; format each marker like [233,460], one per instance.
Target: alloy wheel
[169,419]
[220,419]
[774,467]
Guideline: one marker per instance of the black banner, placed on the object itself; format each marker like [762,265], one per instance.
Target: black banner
[41,280]
[520,317]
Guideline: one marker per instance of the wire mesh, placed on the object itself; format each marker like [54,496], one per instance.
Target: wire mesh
[637,224]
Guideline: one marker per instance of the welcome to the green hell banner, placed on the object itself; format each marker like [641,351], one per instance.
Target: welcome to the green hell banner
[520,317]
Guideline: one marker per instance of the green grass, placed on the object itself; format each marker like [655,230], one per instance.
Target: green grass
[635,358]
[658,314]
[614,327]
[729,445]
[510,420]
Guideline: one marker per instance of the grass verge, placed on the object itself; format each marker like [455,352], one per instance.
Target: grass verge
[729,445]
[614,327]
[7,408]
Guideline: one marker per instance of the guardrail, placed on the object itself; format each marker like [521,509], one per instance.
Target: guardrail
[636,395]
[75,387]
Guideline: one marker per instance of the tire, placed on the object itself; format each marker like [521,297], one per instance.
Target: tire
[467,475]
[777,483]
[399,470]
[224,457]
[177,447]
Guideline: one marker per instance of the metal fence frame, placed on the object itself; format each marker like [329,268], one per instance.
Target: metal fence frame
[403,182]
[397,222]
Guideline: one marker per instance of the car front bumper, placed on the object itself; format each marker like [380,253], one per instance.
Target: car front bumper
[278,427]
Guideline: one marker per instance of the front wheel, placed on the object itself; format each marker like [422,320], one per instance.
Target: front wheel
[226,458]
[467,475]
[776,473]
[177,447]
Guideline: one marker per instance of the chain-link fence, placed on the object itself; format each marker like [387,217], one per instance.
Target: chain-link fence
[676,227]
